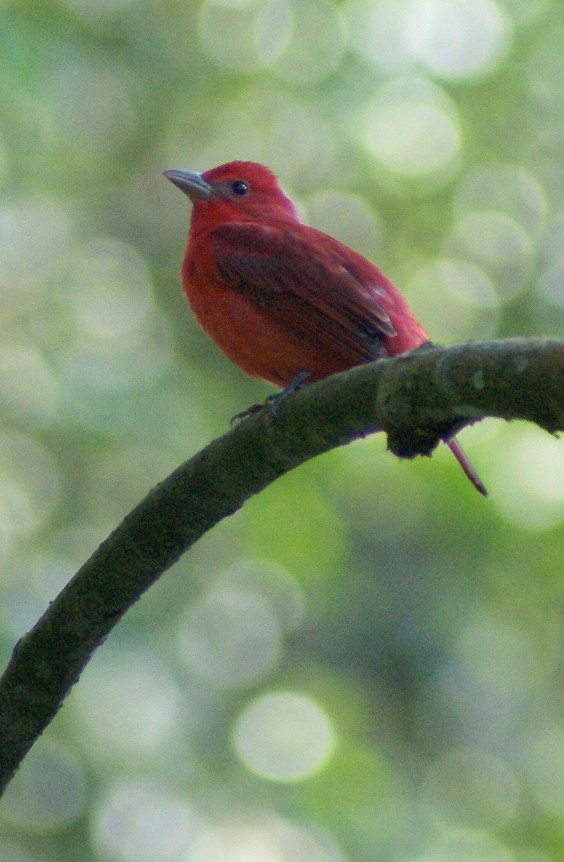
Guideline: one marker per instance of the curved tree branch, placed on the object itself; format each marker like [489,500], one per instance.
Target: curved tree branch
[417,399]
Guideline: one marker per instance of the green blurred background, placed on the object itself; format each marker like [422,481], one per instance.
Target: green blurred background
[366,662]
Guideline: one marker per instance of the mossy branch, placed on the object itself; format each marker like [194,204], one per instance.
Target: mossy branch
[417,399]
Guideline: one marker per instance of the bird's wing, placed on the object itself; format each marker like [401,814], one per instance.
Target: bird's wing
[312,285]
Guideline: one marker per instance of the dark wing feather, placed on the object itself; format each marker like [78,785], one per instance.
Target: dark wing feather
[310,283]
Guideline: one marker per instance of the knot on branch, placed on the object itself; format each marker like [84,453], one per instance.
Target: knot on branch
[416,410]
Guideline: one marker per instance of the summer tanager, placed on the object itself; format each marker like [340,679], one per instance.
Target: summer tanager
[281,299]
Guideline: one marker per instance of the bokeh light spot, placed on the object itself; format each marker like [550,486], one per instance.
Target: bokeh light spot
[230,637]
[227,33]
[528,475]
[454,300]
[302,42]
[110,291]
[457,40]
[270,583]
[412,128]
[461,39]
[143,821]
[498,653]
[28,388]
[316,44]
[126,705]
[38,223]
[273,31]
[544,69]
[378,32]
[30,481]
[503,188]
[264,838]
[497,243]
[96,368]
[283,736]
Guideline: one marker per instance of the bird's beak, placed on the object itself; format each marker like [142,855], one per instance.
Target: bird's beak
[191,183]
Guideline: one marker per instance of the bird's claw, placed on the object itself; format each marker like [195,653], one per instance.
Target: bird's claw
[275,400]
[254,408]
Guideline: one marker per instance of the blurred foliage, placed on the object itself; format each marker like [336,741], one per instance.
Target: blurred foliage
[366,662]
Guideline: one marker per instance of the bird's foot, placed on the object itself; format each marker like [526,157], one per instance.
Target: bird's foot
[254,408]
[275,400]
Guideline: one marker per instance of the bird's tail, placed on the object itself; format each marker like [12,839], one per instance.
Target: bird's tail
[462,459]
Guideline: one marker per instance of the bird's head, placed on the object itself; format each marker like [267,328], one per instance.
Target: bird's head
[236,191]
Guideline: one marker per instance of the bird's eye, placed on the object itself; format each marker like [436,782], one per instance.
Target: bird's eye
[239,187]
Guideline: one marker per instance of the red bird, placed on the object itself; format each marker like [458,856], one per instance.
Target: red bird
[281,298]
